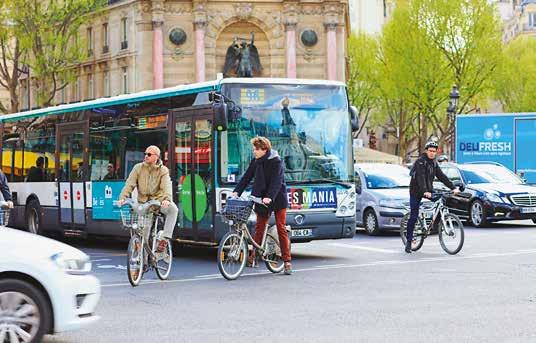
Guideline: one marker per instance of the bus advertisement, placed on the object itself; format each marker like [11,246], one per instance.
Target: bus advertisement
[67,164]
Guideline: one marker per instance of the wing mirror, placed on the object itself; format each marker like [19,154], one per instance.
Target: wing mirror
[354,118]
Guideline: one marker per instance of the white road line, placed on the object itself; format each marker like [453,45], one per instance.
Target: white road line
[208,275]
[360,247]
[362,265]
[330,265]
[102,260]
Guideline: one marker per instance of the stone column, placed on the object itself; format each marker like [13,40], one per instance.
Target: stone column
[290,20]
[199,30]
[331,46]
[158,55]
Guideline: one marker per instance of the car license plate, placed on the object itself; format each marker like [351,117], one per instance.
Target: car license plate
[528,210]
[301,233]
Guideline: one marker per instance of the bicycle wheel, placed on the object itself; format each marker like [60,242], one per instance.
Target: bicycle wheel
[418,233]
[232,256]
[135,260]
[163,262]
[273,260]
[451,235]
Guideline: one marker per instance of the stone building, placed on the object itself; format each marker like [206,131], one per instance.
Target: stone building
[136,45]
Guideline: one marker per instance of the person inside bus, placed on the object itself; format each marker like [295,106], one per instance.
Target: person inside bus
[268,173]
[5,193]
[37,172]
[153,182]
[111,175]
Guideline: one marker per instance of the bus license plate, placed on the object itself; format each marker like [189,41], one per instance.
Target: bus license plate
[302,233]
[528,210]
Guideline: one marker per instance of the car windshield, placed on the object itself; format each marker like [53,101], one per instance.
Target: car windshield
[488,173]
[385,176]
[308,126]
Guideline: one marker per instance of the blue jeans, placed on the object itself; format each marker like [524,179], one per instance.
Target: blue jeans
[414,204]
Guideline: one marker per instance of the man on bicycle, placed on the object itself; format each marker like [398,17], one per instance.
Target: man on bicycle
[153,182]
[423,172]
[269,184]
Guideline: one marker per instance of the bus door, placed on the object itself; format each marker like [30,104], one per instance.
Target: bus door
[71,171]
[192,170]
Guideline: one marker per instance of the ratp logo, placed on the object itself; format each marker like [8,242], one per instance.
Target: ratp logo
[492,133]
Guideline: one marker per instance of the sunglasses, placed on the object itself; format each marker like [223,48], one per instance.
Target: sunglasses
[149,154]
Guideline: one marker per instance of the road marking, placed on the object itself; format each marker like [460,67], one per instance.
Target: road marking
[102,260]
[330,265]
[208,275]
[111,266]
[360,247]
[362,265]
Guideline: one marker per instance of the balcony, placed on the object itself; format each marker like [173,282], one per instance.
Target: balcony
[124,45]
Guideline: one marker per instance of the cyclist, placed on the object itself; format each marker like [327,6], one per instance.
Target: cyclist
[423,172]
[153,182]
[269,184]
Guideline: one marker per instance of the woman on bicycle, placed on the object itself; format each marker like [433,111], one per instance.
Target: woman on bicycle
[269,184]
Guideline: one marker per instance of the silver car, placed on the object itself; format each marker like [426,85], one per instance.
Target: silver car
[382,191]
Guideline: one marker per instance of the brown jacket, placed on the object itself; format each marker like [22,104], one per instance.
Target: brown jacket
[153,183]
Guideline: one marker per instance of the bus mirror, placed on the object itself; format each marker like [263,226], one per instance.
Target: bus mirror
[220,115]
[211,96]
[354,118]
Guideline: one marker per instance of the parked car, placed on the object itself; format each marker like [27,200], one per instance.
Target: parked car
[382,191]
[492,193]
[45,287]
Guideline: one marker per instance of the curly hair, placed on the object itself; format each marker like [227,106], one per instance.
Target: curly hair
[262,143]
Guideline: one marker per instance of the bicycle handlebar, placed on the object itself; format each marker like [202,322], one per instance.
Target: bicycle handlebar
[140,208]
[256,200]
[4,204]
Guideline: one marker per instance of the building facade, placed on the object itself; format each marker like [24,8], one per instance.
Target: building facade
[135,45]
[369,16]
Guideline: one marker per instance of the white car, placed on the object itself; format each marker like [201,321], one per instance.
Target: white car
[45,287]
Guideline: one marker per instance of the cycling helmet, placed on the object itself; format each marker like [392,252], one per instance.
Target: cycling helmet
[431,144]
[443,158]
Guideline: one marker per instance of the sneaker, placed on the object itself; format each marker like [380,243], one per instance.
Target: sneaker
[288,268]
[162,245]
[252,260]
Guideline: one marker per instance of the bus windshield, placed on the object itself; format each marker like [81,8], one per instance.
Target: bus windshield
[308,126]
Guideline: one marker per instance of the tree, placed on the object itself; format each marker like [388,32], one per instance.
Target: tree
[363,77]
[50,30]
[11,57]
[515,84]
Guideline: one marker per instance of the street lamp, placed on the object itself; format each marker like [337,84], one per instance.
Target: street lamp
[451,111]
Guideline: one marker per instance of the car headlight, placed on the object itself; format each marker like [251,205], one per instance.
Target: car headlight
[493,197]
[392,203]
[70,264]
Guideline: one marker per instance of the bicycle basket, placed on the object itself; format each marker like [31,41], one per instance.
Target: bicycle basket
[237,210]
[4,217]
[133,220]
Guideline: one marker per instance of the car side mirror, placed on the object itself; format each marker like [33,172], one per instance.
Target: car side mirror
[220,115]
[358,189]
[354,118]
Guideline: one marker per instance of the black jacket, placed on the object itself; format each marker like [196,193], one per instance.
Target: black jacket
[269,182]
[423,172]
[4,187]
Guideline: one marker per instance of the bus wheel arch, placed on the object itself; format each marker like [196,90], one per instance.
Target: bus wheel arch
[33,215]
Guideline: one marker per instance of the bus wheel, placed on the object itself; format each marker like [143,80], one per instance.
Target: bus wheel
[33,217]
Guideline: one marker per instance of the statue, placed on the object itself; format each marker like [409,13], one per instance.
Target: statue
[242,58]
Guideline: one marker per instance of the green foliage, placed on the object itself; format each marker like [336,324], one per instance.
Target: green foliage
[50,31]
[425,48]
[515,81]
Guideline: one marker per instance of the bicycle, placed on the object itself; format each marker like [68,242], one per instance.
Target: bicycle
[435,214]
[4,213]
[234,246]
[136,217]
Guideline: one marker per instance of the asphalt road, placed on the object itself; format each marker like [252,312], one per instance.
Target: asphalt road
[364,289]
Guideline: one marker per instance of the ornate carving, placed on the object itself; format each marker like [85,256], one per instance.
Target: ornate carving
[243,10]
[177,9]
[178,54]
[312,10]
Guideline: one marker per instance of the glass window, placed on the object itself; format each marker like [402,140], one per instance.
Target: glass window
[89,41]
[39,148]
[380,176]
[105,37]
[106,81]
[124,30]
[308,126]
[488,173]
[90,87]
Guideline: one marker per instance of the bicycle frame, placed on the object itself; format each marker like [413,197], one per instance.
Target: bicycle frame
[438,208]
[244,231]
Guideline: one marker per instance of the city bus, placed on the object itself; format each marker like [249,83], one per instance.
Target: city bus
[67,164]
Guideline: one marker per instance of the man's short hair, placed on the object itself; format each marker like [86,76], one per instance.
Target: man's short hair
[262,143]
[40,161]
[155,149]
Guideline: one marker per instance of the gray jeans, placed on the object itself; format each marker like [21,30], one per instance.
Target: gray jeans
[171,213]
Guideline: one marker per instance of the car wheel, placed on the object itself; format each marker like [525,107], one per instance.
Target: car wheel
[26,313]
[371,222]
[33,217]
[477,214]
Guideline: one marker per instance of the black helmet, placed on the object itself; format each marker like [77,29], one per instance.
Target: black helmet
[443,158]
[431,144]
